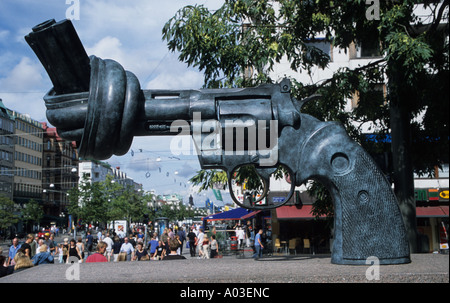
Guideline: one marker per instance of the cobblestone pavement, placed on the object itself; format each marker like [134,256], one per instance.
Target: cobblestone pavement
[278,269]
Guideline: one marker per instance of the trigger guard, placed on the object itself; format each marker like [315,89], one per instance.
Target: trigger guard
[266,182]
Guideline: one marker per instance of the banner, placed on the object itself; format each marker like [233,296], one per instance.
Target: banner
[217,194]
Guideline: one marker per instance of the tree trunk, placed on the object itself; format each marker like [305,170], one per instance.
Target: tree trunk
[403,173]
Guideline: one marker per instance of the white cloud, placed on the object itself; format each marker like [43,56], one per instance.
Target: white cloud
[107,48]
[24,77]
[3,35]
[126,31]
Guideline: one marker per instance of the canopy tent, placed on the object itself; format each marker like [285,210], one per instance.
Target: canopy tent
[234,214]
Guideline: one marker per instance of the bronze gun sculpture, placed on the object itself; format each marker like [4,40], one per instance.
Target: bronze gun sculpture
[101,106]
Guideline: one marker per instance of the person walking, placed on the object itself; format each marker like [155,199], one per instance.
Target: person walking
[116,248]
[99,255]
[199,242]
[192,237]
[80,247]
[173,245]
[27,245]
[205,248]
[141,253]
[128,248]
[214,247]
[258,245]
[43,257]
[12,251]
[109,245]
[160,251]
[73,252]
[182,236]
[89,241]
[152,245]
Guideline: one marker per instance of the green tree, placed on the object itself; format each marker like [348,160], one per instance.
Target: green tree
[32,212]
[7,213]
[259,33]
[88,202]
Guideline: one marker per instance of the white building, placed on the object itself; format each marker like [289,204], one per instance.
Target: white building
[96,171]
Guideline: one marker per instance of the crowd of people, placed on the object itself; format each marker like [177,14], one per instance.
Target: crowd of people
[111,248]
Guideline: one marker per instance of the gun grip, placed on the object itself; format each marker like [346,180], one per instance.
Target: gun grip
[368,221]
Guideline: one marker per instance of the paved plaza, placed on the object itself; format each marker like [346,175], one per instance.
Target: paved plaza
[229,269]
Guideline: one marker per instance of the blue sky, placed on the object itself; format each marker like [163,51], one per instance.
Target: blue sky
[126,31]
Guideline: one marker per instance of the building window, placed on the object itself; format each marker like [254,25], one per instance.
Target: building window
[377,95]
[365,49]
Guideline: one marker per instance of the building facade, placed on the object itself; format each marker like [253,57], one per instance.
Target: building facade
[28,135]
[96,171]
[6,152]
[60,167]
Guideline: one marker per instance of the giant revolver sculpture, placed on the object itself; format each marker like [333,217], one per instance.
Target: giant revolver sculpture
[101,106]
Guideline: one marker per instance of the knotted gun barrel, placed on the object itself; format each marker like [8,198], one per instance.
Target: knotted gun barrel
[101,106]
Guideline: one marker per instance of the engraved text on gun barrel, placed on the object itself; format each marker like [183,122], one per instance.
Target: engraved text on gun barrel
[101,106]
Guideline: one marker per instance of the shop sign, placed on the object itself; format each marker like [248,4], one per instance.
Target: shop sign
[277,200]
[431,194]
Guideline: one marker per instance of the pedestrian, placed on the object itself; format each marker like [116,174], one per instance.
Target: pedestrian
[140,235]
[152,245]
[89,241]
[132,240]
[160,251]
[13,250]
[127,248]
[65,250]
[39,244]
[109,244]
[99,255]
[61,253]
[205,248]
[49,242]
[192,237]
[214,247]
[99,236]
[27,245]
[182,235]
[43,257]
[173,245]
[74,252]
[141,253]
[5,270]
[53,244]
[80,247]
[199,241]
[258,245]
[34,244]
[116,248]
[241,237]
[21,262]
[165,235]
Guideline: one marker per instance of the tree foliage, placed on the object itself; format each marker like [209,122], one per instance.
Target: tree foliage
[8,215]
[258,34]
[106,201]
[32,212]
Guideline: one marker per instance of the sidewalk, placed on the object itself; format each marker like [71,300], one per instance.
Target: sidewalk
[424,268]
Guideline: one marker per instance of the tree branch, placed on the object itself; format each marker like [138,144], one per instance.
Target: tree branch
[438,19]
